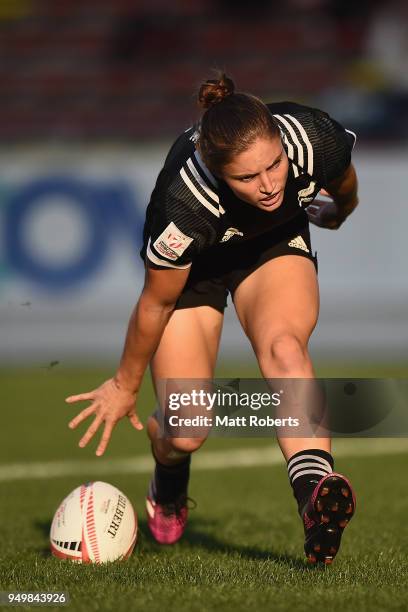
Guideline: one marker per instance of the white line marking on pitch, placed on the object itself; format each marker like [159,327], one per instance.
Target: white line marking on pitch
[210,460]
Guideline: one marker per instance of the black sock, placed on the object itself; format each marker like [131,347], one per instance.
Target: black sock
[305,469]
[170,481]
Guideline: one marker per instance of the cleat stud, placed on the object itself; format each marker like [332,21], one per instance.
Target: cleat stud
[328,560]
[343,523]
[311,558]
[316,547]
[324,518]
[345,492]
[335,507]
[332,531]
[319,505]
[349,509]
[325,491]
[332,550]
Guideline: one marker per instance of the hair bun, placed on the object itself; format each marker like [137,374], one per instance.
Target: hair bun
[214,91]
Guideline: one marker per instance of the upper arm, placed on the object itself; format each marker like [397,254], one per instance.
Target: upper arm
[334,146]
[164,286]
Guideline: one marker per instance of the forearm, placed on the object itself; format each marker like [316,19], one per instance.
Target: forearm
[146,326]
[116,397]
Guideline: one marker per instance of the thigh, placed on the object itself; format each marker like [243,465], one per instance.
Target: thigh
[278,307]
[189,345]
[281,296]
[187,350]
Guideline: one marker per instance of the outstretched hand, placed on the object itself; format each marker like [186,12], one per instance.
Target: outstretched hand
[110,403]
[325,213]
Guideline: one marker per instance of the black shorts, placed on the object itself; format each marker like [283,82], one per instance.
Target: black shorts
[220,269]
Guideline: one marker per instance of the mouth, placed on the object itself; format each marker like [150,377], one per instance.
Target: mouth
[272,199]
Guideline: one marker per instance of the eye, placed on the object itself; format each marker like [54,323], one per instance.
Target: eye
[275,164]
[246,179]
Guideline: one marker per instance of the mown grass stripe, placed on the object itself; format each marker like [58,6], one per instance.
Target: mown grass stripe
[205,460]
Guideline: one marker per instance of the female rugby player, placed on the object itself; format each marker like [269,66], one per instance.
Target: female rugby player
[227,215]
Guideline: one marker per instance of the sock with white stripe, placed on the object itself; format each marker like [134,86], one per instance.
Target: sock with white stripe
[305,469]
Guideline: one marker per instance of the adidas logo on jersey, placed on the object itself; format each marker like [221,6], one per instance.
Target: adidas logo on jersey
[231,231]
[299,243]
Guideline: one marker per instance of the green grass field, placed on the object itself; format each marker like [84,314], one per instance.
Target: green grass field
[243,548]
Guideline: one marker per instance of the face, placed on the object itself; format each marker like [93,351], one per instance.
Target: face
[258,175]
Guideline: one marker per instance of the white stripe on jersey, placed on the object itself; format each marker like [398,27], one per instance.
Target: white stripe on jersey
[291,152]
[295,170]
[306,141]
[296,140]
[201,182]
[354,135]
[210,177]
[161,262]
[204,168]
[215,211]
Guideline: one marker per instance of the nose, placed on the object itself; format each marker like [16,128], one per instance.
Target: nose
[265,185]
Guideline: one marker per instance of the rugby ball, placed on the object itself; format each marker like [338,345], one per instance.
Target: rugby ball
[94,524]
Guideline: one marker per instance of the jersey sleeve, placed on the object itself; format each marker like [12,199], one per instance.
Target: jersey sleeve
[333,147]
[178,228]
[175,239]
[316,144]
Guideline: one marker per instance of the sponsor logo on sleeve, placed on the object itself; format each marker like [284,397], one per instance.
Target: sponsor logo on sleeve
[172,243]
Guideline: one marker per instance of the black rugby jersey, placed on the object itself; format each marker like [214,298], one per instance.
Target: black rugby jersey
[190,210]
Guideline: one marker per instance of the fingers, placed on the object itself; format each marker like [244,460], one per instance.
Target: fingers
[134,419]
[316,221]
[314,218]
[107,432]
[84,414]
[108,405]
[91,431]
[79,398]
[313,212]
[317,205]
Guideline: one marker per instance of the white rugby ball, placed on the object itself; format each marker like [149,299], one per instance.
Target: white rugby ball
[94,524]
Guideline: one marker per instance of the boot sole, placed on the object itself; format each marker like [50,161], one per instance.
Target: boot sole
[334,505]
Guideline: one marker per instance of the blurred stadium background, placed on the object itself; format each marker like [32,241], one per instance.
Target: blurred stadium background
[91,96]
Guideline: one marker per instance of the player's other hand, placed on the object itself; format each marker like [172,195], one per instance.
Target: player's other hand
[110,403]
[325,213]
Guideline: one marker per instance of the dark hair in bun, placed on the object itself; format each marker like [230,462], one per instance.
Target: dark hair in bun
[231,122]
[215,90]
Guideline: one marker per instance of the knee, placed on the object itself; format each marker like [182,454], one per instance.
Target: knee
[179,445]
[285,353]
[186,445]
